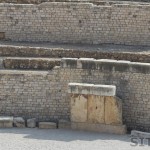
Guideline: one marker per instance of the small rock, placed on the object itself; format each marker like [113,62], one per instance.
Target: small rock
[31,123]
[47,125]
[19,122]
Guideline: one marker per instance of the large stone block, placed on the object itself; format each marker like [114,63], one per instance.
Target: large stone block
[19,122]
[113,110]
[6,122]
[78,108]
[96,109]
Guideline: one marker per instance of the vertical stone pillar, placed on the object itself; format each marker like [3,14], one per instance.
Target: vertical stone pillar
[95,108]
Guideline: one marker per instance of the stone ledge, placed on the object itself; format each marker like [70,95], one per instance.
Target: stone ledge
[101,90]
[102,128]
[106,65]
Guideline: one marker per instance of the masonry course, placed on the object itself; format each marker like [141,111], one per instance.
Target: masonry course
[74,22]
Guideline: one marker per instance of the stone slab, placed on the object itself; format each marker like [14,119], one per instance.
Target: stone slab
[78,108]
[92,89]
[6,122]
[102,128]
[47,125]
[96,109]
[113,111]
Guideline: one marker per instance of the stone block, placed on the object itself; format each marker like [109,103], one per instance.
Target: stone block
[92,89]
[19,122]
[31,123]
[64,124]
[113,110]
[78,108]
[95,109]
[101,128]
[47,125]
[6,122]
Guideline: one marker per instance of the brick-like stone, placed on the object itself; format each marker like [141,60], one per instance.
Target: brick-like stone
[47,125]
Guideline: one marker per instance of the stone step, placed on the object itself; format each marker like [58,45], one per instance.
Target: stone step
[6,122]
[29,63]
[47,125]
[103,53]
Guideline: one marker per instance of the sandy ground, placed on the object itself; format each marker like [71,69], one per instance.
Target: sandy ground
[61,139]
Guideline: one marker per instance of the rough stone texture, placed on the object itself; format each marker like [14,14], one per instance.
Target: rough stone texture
[47,125]
[96,109]
[31,123]
[2,35]
[30,63]
[76,23]
[43,95]
[118,52]
[113,110]
[19,122]
[78,108]
[103,128]
[6,122]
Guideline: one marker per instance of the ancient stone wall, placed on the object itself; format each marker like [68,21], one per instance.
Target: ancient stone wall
[76,23]
[131,80]
[44,94]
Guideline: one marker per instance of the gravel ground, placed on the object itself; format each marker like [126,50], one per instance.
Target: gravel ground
[101,47]
[60,139]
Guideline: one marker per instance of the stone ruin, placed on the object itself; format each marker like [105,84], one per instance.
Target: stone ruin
[96,108]
[53,87]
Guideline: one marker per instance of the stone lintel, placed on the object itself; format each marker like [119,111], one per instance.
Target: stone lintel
[91,89]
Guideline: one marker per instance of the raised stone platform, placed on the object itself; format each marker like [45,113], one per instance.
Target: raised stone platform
[6,122]
[101,128]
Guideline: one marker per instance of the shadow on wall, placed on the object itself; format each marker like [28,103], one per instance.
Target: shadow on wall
[64,135]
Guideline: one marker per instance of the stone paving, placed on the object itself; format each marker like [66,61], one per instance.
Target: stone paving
[60,139]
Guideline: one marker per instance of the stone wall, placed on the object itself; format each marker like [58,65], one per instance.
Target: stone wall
[76,23]
[43,94]
[32,94]
[131,81]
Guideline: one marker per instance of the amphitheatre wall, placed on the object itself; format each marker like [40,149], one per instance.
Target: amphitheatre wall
[44,95]
[72,22]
